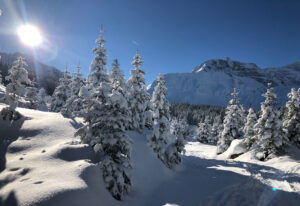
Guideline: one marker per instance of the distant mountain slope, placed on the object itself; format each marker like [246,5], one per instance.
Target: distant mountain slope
[212,82]
[44,75]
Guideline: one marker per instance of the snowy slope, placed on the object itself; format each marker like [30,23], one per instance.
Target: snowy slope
[46,165]
[212,82]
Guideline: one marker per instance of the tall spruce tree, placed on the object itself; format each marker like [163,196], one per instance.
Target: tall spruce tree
[269,138]
[291,122]
[139,98]
[18,79]
[98,66]
[167,149]
[232,124]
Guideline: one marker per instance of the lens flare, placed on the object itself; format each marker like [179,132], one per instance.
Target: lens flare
[30,35]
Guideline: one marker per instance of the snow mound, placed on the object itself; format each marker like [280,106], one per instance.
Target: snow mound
[235,149]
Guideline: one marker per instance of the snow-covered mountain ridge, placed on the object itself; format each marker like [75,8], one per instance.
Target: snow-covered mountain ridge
[212,82]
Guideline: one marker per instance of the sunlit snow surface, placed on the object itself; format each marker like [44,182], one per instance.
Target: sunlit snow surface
[46,165]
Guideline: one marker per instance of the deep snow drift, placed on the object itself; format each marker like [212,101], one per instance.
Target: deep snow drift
[46,165]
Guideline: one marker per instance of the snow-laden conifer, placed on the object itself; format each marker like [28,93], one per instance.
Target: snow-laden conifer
[119,84]
[98,66]
[179,128]
[166,146]
[204,131]
[249,133]
[232,124]
[105,117]
[61,93]
[216,130]
[18,79]
[139,98]
[73,104]
[269,138]
[292,121]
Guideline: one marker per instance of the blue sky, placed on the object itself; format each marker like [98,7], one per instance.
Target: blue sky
[172,35]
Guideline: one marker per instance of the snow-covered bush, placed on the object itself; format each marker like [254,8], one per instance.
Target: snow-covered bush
[251,120]
[232,124]
[18,79]
[291,122]
[269,138]
[139,98]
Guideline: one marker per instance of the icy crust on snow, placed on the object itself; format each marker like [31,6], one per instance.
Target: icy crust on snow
[212,82]
[46,165]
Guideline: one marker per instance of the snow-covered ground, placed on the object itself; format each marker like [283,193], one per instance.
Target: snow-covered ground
[46,165]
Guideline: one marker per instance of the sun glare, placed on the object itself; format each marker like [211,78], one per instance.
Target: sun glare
[30,35]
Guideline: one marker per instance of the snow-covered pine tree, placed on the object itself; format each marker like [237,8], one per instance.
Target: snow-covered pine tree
[204,131]
[168,150]
[98,67]
[74,103]
[42,102]
[61,93]
[149,115]
[215,129]
[119,83]
[31,97]
[178,127]
[232,124]
[159,140]
[291,123]
[139,98]
[105,118]
[117,77]
[269,138]
[18,79]
[249,133]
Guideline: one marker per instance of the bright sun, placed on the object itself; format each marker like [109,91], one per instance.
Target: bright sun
[30,35]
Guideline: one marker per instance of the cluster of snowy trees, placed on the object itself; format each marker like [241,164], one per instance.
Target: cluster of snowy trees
[194,114]
[267,132]
[20,87]
[110,105]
